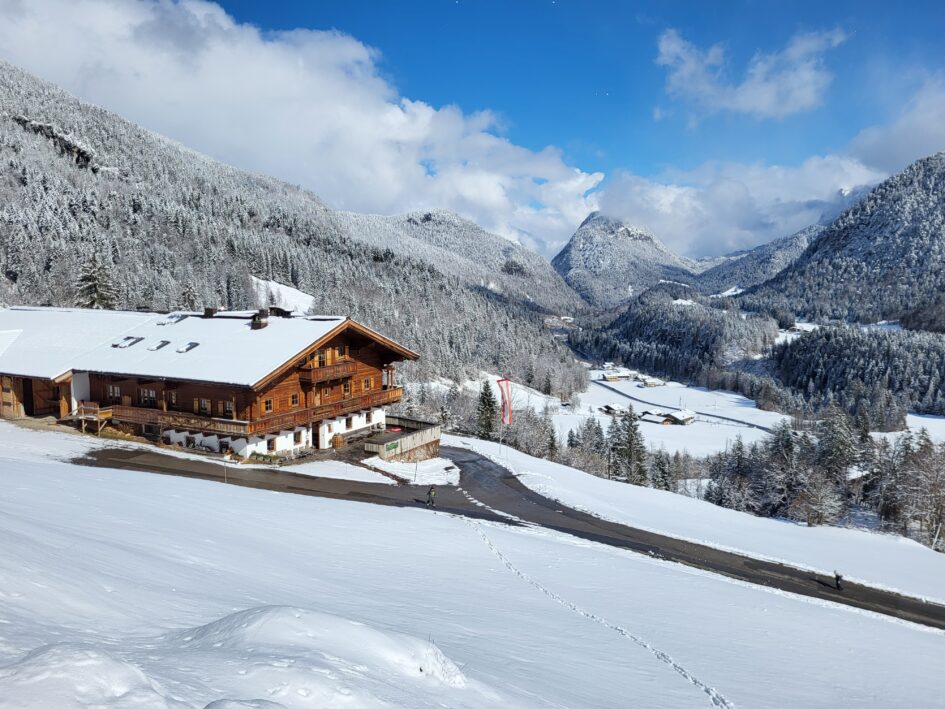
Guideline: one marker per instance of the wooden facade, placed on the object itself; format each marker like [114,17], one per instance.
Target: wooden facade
[26,396]
[349,372]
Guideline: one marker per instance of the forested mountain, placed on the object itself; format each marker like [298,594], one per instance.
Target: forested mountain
[608,261]
[881,259]
[86,193]
[461,248]
[749,268]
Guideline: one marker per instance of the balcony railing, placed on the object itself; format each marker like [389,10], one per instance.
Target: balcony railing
[341,370]
[229,427]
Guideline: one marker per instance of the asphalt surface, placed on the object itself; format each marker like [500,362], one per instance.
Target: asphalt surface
[500,491]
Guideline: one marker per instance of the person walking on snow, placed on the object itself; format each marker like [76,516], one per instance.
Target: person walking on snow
[431,496]
[837,578]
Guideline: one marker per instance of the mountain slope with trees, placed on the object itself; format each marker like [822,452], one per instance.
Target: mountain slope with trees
[881,259]
[92,205]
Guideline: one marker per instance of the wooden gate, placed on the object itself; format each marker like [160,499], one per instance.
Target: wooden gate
[11,390]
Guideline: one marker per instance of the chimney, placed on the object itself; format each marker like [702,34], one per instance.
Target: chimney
[260,319]
[209,312]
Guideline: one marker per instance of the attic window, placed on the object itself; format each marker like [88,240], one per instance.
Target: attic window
[127,342]
[187,348]
[171,319]
[158,345]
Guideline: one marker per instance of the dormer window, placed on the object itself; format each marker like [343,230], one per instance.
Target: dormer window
[159,345]
[187,348]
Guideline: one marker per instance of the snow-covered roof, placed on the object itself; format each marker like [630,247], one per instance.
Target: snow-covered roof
[48,342]
[681,415]
[45,342]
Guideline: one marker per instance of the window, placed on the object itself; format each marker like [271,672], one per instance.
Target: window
[114,392]
[349,423]
[297,438]
[187,348]
[322,358]
[205,406]
[147,397]
[271,445]
[158,345]
[341,352]
[368,384]
[267,406]
[346,388]
[228,408]
[295,400]
[173,398]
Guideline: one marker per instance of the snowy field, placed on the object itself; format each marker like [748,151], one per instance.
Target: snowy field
[273,293]
[881,560]
[710,433]
[124,589]
[435,471]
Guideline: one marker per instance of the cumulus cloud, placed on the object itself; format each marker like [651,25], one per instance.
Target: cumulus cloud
[917,131]
[309,107]
[721,207]
[775,85]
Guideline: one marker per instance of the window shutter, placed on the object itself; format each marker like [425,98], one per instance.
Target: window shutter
[196,406]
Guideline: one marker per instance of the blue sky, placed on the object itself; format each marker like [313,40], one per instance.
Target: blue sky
[582,75]
[717,126]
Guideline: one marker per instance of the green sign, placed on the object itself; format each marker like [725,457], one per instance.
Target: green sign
[393,446]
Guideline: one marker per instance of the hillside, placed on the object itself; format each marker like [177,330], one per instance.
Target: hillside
[173,228]
[882,258]
[607,261]
[749,268]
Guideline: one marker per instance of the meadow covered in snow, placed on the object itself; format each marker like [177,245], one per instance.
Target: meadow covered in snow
[129,589]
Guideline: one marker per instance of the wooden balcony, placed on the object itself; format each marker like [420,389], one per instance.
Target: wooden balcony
[235,428]
[312,375]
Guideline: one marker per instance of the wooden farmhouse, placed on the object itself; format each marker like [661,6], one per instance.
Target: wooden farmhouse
[245,382]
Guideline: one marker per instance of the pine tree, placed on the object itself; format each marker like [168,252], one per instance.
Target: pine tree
[628,450]
[486,412]
[837,449]
[94,288]
[661,474]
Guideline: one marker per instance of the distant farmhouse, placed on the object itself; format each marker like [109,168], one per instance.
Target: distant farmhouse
[254,382]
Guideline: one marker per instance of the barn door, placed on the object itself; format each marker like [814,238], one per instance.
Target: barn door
[28,397]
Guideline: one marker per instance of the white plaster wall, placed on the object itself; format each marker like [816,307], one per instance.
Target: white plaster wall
[81,390]
[359,421]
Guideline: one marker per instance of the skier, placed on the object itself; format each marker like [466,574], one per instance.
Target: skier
[837,578]
[431,496]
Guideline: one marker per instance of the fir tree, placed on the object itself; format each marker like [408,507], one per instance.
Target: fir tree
[486,412]
[94,288]
[661,474]
[628,450]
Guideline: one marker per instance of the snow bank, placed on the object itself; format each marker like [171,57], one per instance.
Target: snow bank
[339,471]
[881,560]
[77,676]
[435,471]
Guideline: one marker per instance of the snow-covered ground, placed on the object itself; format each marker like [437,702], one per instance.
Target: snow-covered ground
[881,560]
[435,471]
[709,433]
[273,293]
[339,471]
[125,589]
[799,329]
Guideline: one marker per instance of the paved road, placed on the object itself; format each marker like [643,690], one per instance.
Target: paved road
[663,406]
[499,490]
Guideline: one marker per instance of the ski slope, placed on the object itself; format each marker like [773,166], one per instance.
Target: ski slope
[126,589]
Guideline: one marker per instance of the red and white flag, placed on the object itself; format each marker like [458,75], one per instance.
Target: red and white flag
[505,388]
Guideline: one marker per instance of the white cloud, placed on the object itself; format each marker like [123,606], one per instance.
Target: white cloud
[919,130]
[309,107]
[721,207]
[775,84]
